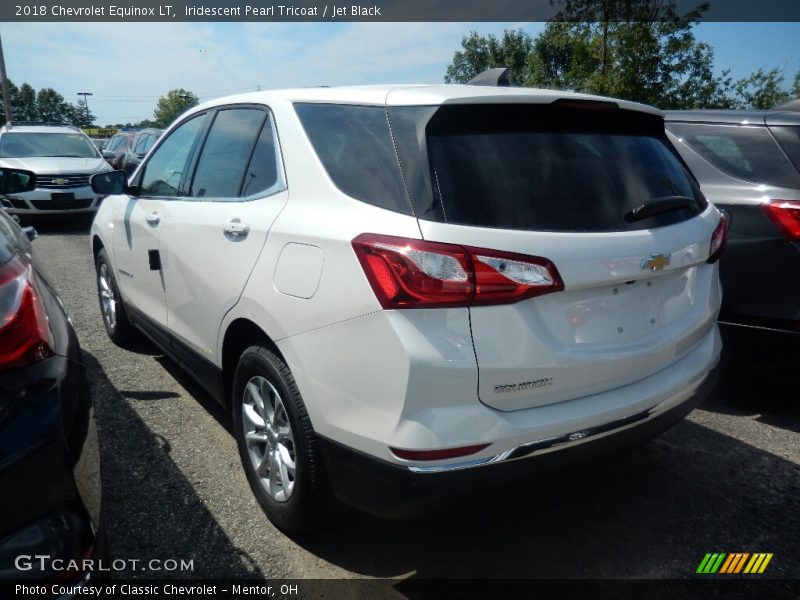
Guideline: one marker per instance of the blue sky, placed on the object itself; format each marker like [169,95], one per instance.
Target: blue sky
[128,66]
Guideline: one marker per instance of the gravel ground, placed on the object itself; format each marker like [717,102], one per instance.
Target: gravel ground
[725,479]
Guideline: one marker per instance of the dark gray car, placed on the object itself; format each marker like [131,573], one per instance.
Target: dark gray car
[748,163]
[138,148]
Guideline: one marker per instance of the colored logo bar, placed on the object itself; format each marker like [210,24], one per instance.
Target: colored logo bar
[734,563]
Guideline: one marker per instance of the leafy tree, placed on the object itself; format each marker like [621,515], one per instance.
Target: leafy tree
[52,108]
[762,90]
[24,104]
[173,104]
[12,92]
[82,115]
[641,50]
[481,53]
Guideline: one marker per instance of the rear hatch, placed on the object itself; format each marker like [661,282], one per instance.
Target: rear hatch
[562,181]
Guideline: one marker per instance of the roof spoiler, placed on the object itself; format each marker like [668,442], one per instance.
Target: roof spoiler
[499,77]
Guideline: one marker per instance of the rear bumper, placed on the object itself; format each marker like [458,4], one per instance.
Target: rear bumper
[396,491]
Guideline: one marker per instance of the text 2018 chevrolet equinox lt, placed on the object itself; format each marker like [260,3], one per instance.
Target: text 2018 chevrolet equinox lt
[405,290]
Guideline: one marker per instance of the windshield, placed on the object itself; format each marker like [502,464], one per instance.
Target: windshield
[27,145]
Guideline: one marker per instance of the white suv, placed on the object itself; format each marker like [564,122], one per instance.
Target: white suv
[403,290]
[63,158]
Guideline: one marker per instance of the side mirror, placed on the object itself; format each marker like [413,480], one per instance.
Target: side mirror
[110,182]
[108,155]
[16,181]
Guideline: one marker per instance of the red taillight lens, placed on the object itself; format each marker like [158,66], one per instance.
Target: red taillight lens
[786,216]
[438,454]
[718,240]
[503,277]
[25,336]
[406,273]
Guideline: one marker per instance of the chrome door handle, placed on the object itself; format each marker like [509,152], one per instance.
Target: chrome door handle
[153,219]
[236,228]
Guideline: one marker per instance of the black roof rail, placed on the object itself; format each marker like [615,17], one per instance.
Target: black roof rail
[500,77]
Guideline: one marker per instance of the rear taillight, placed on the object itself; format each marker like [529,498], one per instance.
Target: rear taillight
[718,240]
[786,216]
[406,273]
[25,336]
[439,453]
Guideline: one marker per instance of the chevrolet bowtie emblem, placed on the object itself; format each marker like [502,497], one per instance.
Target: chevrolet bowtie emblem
[60,181]
[655,262]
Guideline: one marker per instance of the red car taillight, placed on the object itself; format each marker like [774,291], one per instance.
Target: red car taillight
[25,336]
[786,216]
[718,240]
[407,273]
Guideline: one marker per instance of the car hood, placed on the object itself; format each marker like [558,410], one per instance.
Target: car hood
[56,165]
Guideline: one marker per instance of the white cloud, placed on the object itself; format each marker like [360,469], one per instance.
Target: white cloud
[127,66]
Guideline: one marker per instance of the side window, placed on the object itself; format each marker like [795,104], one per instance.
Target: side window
[163,171]
[355,146]
[148,143]
[748,153]
[263,172]
[139,146]
[226,153]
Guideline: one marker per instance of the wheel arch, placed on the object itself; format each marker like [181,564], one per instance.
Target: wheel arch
[240,334]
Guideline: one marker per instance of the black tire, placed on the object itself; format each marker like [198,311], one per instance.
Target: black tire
[296,511]
[119,328]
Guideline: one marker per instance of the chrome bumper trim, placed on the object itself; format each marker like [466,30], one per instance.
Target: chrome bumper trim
[538,446]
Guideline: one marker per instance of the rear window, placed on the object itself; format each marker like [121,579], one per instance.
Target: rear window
[545,168]
[743,152]
[355,146]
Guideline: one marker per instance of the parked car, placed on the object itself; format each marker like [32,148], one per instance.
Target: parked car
[140,145]
[748,163]
[118,144]
[99,143]
[49,461]
[63,158]
[413,290]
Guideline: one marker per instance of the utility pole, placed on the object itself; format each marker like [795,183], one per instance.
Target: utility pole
[86,104]
[6,94]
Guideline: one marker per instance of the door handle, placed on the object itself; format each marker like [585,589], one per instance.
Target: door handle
[153,219]
[236,228]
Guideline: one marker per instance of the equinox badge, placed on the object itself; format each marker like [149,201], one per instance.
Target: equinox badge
[655,262]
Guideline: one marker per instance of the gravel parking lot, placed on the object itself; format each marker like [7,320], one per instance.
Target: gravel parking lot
[726,479]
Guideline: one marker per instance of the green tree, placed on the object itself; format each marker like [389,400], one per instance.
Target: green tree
[24,104]
[762,90]
[481,53]
[52,108]
[12,92]
[173,104]
[641,50]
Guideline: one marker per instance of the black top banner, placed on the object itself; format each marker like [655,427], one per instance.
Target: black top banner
[374,10]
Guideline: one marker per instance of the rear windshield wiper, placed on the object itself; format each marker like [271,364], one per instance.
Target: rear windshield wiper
[659,206]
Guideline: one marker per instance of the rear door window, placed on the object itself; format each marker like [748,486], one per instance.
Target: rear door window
[226,153]
[743,152]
